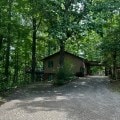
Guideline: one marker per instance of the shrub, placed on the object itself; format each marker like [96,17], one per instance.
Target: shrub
[63,74]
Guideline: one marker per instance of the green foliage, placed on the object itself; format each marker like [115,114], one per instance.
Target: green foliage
[80,29]
[97,70]
[64,74]
[110,46]
[111,41]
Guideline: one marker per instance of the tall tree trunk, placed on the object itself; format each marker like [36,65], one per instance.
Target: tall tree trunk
[7,62]
[62,49]
[1,36]
[33,50]
[49,48]
[15,78]
[1,41]
[114,65]
[106,71]
[16,65]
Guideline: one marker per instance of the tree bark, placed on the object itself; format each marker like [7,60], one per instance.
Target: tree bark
[49,48]
[106,71]
[62,49]
[33,50]
[16,65]
[114,65]
[1,41]
[1,35]
[15,78]
[7,61]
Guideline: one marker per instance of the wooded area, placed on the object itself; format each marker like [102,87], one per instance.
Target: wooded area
[33,29]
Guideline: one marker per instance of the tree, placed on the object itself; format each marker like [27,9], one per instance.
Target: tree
[7,63]
[65,21]
[34,17]
[111,44]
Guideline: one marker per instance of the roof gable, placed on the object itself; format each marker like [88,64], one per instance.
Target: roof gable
[57,53]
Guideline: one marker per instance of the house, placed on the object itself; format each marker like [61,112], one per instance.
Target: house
[51,64]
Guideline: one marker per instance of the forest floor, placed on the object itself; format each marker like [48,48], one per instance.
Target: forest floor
[89,98]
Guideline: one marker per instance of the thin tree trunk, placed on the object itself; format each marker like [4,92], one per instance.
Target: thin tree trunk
[26,64]
[49,48]
[1,41]
[114,65]
[106,71]
[15,79]
[7,62]
[62,49]
[1,36]
[33,50]
[16,68]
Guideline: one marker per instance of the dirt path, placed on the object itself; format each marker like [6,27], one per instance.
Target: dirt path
[89,98]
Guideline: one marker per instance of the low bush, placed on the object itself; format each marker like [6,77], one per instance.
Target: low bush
[63,74]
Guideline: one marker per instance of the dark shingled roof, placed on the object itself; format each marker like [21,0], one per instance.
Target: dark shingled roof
[65,53]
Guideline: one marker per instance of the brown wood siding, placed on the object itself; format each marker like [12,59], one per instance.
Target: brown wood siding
[55,60]
[76,63]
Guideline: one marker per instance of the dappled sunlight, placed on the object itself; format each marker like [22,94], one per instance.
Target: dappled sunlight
[16,101]
[78,100]
[97,76]
[53,103]
[38,99]
[58,93]
[83,83]
[81,95]
[83,78]
[54,98]
[61,98]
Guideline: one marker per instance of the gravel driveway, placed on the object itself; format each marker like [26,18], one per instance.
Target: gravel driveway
[88,98]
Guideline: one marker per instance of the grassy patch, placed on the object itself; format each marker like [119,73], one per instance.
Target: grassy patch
[115,86]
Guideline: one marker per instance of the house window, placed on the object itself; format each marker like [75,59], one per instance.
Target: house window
[50,64]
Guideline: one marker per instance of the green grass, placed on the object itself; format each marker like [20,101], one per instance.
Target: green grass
[115,86]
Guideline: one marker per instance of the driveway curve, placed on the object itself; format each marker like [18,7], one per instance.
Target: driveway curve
[89,98]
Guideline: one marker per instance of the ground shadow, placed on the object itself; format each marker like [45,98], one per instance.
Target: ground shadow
[75,99]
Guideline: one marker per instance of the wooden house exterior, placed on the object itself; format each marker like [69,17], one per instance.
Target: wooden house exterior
[51,63]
